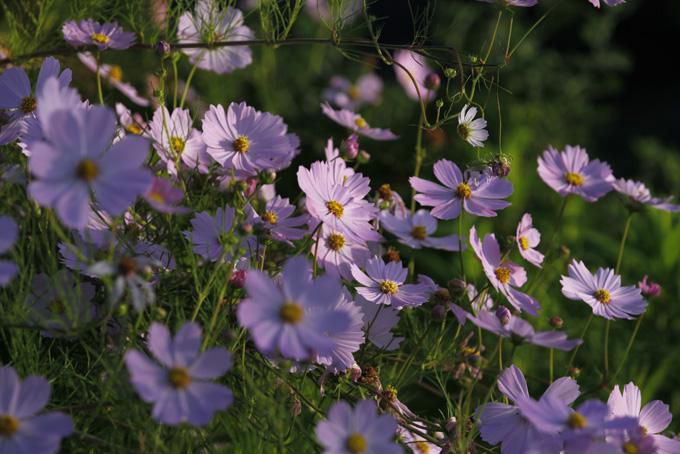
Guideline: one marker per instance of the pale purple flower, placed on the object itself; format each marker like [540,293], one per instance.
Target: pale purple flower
[22,429]
[93,243]
[337,253]
[504,423]
[215,237]
[519,330]
[602,292]
[59,304]
[650,288]
[247,140]
[129,123]
[637,194]
[472,130]
[518,3]
[359,430]
[88,32]
[209,24]
[298,317]
[415,442]
[572,172]
[323,11]
[356,123]
[411,70]
[654,417]
[503,274]
[415,231]
[164,197]
[113,74]
[583,430]
[346,95]
[479,194]
[176,140]
[384,283]
[596,3]
[347,341]
[379,321]
[9,232]
[527,238]
[180,388]
[389,201]
[79,161]
[335,197]
[277,219]
[19,103]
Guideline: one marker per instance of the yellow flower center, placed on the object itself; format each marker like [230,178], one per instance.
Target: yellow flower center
[463,191]
[335,208]
[133,129]
[56,307]
[177,144]
[241,144]
[270,217]
[630,448]
[356,443]
[464,131]
[28,104]
[354,92]
[389,287]
[390,393]
[99,38]
[603,296]
[156,197]
[116,73]
[291,313]
[419,232]
[335,241]
[360,122]
[502,274]
[523,243]
[422,447]
[179,377]
[577,421]
[574,179]
[87,170]
[9,425]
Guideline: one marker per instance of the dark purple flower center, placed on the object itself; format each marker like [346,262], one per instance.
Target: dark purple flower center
[577,421]
[574,178]
[241,144]
[9,425]
[503,274]
[28,104]
[291,313]
[99,38]
[389,287]
[270,217]
[603,296]
[463,191]
[179,377]
[87,170]
[356,443]
[419,232]
[335,241]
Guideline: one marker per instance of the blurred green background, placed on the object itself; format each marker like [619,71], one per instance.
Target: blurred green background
[598,78]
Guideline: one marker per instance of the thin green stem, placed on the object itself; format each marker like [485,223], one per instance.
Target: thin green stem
[420,154]
[622,245]
[583,333]
[551,243]
[100,93]
[186,86]
[628,347]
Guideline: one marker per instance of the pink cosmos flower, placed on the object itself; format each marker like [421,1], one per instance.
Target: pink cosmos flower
[335,197]
[165,198]
[479,194]
[277,219]
[337,252]
[346,95]
[384,283]
[247,140]
[572,172]
[356,123]
[347,341]
[214,237]
[129,123]
[602,292]
[113,74]
[379,321]
[503,274]
[209,24]
[176,140]
[653,418]
[415,231]
[411,70]
[527,238]
[89,32]
[650,288]
[637,194]
[596,3]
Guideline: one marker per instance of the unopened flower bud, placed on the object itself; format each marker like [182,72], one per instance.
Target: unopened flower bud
[159,313]
[574,372]
[565,251]
[451,425]
[556,322]
[238,279]
[450,73]
[363,157]
[163,48]
[351,146]
[432,81]
[503,314]
[246,229]
[268,176]
[442,294]
[439,312]
[355,373]
[385,192]
[122,310]
[457,287]
[439,103]
[391,255]
[500,167]
[650,288]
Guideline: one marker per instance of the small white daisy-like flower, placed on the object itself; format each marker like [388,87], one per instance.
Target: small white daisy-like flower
[472,130]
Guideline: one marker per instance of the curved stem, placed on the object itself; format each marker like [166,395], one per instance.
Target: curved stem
[186,86]
[628,347]
[585,330]
[97,71]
